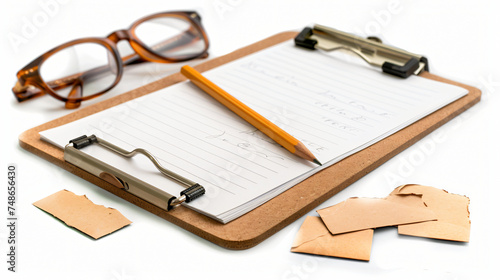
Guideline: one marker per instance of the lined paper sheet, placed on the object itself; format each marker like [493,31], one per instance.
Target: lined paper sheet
[332,106]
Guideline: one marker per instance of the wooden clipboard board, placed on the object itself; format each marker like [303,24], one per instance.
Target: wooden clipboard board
[259,224]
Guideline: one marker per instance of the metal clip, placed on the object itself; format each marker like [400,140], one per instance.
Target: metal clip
[391,60]
[120,179]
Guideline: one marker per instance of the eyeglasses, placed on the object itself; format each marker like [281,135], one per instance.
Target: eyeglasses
[86,68]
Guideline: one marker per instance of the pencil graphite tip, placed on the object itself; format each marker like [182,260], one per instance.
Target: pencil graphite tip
[317,162]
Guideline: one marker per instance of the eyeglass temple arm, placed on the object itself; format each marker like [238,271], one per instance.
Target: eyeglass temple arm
[28,92]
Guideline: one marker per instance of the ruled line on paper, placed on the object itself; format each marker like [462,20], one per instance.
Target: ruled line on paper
[223,133]
[209,143]
[229,121]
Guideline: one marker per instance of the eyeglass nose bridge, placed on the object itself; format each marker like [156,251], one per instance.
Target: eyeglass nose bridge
[140,50]
[119,35]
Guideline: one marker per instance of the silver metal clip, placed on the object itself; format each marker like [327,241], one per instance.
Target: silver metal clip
[122,180]
[390,59]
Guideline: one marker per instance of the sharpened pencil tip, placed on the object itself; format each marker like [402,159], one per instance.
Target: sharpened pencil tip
[317,162]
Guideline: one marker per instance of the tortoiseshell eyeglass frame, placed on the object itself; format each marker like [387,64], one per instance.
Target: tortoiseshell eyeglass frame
[30,84]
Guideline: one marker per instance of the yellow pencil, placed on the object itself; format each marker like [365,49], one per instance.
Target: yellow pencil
[264,125]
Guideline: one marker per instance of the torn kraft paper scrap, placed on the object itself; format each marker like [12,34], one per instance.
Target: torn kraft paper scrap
[81,213]
[314,238]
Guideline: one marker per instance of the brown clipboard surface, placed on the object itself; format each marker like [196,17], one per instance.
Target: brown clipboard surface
[262,222]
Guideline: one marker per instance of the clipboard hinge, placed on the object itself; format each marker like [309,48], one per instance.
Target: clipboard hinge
[390,59]
[127,182]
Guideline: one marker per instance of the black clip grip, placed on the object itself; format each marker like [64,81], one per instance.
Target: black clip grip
[406,70]
[401,71]
[83,141]
[193,192]
[302,40]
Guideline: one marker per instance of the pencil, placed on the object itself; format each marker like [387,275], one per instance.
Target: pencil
[258,121]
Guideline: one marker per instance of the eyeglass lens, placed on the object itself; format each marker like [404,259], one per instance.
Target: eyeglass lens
[171,37]
[80,70]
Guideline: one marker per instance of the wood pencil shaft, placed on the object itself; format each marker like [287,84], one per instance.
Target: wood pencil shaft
[248,114]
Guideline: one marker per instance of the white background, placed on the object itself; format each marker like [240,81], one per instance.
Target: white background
[460,39]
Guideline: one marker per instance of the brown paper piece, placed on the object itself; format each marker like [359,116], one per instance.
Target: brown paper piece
[314,238]
[367,213]
[81,213]
[452,212]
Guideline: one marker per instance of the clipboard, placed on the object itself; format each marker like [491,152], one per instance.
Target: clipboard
[267,219]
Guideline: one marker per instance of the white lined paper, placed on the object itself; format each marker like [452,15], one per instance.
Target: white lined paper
[335,108]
